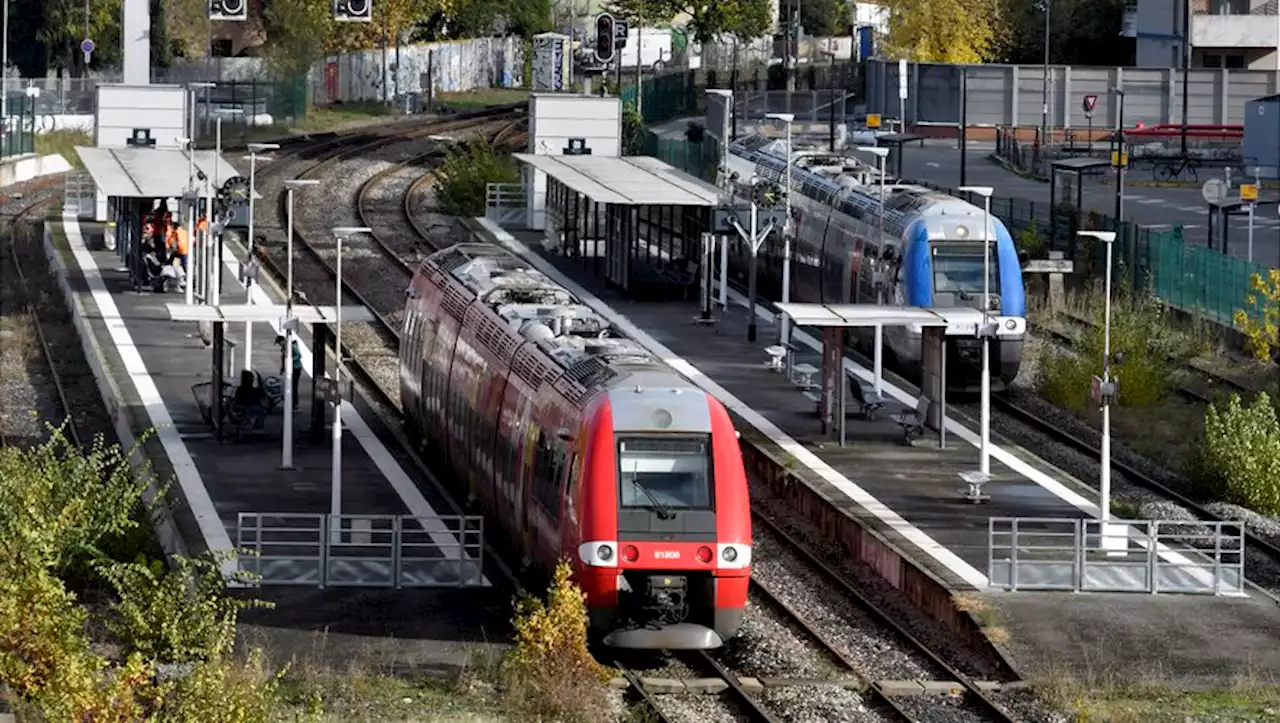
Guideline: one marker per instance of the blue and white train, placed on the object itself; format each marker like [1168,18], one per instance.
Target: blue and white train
[929,253]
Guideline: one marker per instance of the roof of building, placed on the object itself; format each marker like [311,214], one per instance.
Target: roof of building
[628,180]
[149,172]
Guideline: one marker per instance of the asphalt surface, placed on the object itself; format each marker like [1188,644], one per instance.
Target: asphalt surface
[1160,208]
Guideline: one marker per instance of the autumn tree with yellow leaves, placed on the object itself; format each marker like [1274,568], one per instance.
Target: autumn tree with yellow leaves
[1262,330]
[943,31]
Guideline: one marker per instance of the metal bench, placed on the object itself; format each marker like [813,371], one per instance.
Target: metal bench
[776,353]
[867,400]
[804,375]
[912,420]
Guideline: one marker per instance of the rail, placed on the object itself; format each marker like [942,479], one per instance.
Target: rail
[1084,555]
[396,551]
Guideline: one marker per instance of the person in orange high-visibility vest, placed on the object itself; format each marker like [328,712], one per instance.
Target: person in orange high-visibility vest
[179,244]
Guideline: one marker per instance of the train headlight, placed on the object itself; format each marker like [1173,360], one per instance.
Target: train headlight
[1010,324]
[730,554]
[604,552]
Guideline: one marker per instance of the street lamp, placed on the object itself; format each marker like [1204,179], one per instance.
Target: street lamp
[785,329]
[1044,108]
[1119,156]
[191,130]
[1106,391]
[254,150]
[335,502]
[984,450]
[4,80]
[881,154]
[191,204]
[290,324]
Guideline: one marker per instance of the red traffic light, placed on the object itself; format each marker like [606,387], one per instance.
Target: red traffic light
[605,37]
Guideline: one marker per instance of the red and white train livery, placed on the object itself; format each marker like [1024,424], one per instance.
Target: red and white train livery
[581,444]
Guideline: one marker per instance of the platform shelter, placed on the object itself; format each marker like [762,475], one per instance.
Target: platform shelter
[136,179]
[935,324]
[634,219]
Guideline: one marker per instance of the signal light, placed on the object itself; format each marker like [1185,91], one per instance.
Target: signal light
[704,554]
[606,37]
[352,11]
[234,10]
[630,553]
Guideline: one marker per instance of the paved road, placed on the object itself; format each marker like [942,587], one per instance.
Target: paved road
[1162,208]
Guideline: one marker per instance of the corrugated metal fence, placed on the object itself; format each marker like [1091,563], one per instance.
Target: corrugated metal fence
[1010,95]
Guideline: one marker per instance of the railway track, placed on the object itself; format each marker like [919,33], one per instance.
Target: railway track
[52,349]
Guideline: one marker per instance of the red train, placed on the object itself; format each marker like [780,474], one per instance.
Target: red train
[581,444]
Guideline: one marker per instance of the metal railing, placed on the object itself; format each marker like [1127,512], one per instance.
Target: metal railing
[1086,555]
[395,551]
[505,204]
[79,194]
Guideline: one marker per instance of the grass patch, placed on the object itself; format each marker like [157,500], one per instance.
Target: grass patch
[1108,702]
[482,98]
[984,613]
[63,143]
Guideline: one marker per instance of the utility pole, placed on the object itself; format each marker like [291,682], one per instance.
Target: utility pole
[1186,68]
[1044,108]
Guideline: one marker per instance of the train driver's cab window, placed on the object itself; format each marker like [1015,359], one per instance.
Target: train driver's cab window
[665,473]
[957,269]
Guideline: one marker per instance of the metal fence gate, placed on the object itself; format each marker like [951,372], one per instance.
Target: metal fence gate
[395,551]
[1086,555]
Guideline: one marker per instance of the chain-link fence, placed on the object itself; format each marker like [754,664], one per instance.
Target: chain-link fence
[18,134]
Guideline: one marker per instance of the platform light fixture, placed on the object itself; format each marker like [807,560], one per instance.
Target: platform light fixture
[290,323]
[339,234]
[1106,391]
[250,267]
[984,449]
[784,329]
[881,155]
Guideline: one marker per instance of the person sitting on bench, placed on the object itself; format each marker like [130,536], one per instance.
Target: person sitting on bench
[250,398]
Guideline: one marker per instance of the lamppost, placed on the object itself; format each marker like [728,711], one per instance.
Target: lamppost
[191,205]
[335,502]
[290,324]
[191,131]
[254,150]
[4,81]
[881,154]
[1044,108]
[785,329]
[1119,159]
[984,449]
[1105,392]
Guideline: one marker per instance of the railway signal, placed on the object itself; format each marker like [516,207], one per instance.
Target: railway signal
[606,37]
[353,11]
[232,10]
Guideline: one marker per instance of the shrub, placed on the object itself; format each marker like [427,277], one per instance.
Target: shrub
[1029,240]
[634,131]
[1149,349]
[1262,333]
[174,615]
[550,673]
[1239,458]
[463,178]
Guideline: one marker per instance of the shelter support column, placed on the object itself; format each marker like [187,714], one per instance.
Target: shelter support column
[934,371]
[832,368]
[320,337]
[215,392]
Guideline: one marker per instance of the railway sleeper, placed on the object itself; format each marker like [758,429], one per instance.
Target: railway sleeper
[889,688]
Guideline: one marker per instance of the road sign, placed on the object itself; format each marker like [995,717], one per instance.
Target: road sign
[1090,102]
[1248,192]
[873,120]
[1214,191]
[902,79]
[86,46]
[620,31]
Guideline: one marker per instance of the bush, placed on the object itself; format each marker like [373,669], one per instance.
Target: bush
[1149,350]
[462,179]
[1239,458]
[550,674]
[634,131]
[1262,335]
[1029,240]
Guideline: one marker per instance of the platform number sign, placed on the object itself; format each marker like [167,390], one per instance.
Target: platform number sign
[1090,102]
[577,147]
[232,10]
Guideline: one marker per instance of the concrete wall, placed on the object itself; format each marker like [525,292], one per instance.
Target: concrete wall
[1011,94]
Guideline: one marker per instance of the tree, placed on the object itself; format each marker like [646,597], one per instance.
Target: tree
[1239,458]
[818,18]
[300,32]
[64,27]
[943,31]
[462,179]
[745,19]
[187,26]
[1262,331]
[1075,29]
[644,13]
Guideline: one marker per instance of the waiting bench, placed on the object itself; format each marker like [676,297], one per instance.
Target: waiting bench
[912,420]
[866,401]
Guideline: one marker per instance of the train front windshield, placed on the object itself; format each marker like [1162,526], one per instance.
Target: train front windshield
[957,269]
[665,473]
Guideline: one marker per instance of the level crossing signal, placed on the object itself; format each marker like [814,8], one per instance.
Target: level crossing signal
[606,37]
[353,11]
[234,10]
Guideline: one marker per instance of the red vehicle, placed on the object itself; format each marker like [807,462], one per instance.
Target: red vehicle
[581,444]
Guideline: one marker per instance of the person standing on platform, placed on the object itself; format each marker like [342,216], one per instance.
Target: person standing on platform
[297,365]
[179,247]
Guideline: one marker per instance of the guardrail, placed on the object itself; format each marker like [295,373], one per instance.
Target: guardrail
[1087,555]
[396,551]
[505,204]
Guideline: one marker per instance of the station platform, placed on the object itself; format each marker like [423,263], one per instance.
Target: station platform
[149,365]
[914,497]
